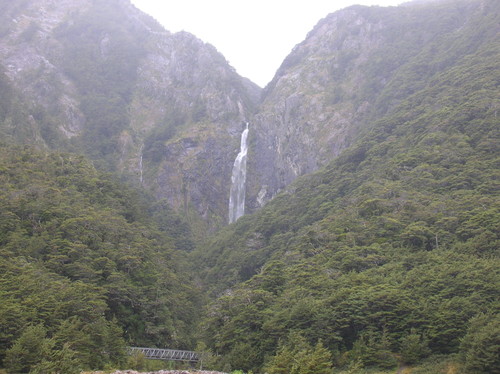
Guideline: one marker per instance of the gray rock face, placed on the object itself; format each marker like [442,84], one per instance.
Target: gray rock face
[181,105]
[187,85]
[29,56]
[167,111]
[347,72]
[308,117]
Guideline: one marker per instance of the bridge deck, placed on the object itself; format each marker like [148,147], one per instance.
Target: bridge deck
[165,354]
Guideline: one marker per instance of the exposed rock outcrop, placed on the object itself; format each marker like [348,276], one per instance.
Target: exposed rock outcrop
[333,86]
[163,109]
[167,110]
[165,372]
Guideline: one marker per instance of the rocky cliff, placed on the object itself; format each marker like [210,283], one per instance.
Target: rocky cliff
[166,110]
[102,78]
[353,68]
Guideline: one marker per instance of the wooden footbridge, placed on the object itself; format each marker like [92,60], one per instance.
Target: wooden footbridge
[165,354]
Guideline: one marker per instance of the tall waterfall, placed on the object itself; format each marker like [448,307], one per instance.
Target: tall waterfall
[141,179]
[238,178]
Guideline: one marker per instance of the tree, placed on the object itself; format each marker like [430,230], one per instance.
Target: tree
[318,361]
[281,363]
[299,357]
[481,345]
[414,347]
[373,349]
[28,350]
[60,361]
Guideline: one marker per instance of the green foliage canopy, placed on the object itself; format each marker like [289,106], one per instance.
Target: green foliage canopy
[82,261]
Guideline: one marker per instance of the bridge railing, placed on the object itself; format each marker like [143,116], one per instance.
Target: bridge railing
[165,354]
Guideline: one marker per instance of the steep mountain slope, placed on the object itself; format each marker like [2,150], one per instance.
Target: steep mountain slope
[166,110]
[386,254]
[464,89]
[355,66]
[102,78]
[84,267]
[390,249]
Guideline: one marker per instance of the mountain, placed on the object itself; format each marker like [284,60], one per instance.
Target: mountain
[352,69]
[102,78]
[372,182]
[456,71]
[388,254]
[166,110]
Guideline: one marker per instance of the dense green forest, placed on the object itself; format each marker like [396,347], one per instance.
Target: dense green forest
[85,266]
[388,255]
[384,260]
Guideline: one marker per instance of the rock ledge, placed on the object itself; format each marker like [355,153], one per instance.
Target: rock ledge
[164,372]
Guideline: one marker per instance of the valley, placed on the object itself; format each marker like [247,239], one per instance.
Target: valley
[344,218]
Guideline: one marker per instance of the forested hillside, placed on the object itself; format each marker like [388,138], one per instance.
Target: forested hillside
[84,267]
[389,254]
[118,139]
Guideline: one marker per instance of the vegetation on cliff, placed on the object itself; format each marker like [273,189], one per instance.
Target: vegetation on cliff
[103,79]
[390,253]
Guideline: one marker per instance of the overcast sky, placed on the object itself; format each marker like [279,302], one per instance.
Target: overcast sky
[253,35]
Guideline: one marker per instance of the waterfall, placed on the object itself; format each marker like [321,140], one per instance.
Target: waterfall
[141,179]
[238,178]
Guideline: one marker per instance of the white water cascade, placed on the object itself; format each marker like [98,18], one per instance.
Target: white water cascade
[141,179]
[238,179]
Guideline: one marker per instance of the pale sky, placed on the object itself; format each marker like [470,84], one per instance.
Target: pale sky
[255,36]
